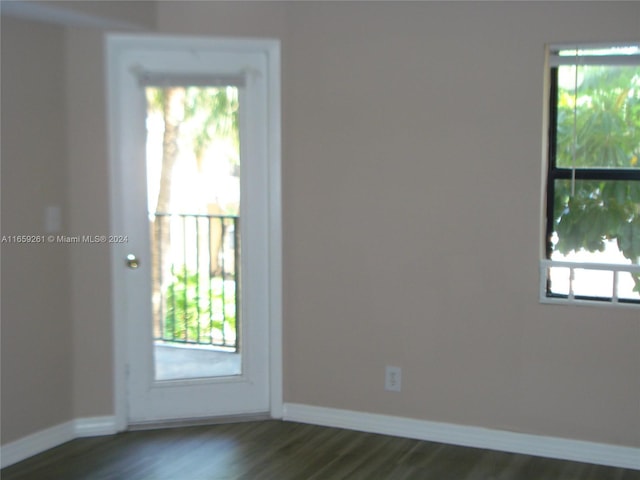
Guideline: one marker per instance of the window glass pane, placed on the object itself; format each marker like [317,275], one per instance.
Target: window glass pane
[598,117]
[600,222]
[193,186]
[559,280]
[592,283]
[626,286]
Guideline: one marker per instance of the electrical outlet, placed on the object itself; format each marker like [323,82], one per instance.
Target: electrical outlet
[393,379]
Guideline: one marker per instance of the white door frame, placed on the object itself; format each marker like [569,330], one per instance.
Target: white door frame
[270,48]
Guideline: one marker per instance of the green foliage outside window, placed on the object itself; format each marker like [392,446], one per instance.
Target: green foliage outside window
[198,310]
[598,127]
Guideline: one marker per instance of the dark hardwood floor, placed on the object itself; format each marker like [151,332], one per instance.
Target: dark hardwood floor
[287,451]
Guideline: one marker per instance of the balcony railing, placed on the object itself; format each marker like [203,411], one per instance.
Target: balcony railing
[196,284]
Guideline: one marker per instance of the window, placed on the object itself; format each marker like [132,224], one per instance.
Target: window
[592,234]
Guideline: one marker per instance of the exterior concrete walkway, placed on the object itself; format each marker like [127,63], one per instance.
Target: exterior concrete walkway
[175,362]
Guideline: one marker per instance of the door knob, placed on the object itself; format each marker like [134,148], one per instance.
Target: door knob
[132,261]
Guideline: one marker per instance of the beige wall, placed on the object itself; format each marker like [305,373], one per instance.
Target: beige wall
[88,173]
[36,313]
[411,189]
[56,305]
[411,221]
[89,215]
[411,178]
[138,14]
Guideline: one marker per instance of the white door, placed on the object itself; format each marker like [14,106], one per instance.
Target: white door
[195,218]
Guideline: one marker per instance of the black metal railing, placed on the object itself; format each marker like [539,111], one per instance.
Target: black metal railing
[195,277]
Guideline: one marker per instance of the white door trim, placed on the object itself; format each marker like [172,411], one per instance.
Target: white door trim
[115,44]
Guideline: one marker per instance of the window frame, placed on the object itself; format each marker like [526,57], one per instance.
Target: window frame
[555,173]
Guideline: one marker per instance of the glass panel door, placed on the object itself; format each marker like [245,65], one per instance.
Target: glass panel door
[193,188]
[194,131]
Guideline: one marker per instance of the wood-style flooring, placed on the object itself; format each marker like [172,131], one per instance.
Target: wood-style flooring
[287,451]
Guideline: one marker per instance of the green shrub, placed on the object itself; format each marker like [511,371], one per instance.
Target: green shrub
[199,309]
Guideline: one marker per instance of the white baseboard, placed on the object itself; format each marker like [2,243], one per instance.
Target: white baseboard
[35,443]
[551,447]
[38,442]
[95,426]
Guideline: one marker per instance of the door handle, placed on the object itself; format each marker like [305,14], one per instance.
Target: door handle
[132,261]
